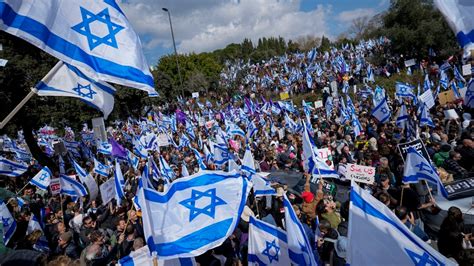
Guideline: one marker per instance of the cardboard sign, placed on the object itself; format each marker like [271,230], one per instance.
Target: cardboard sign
[409,63]
[318,104]
[284,95]
[107,191]
[466,70]
[162,140]
[360,173]
[324,154]
[55,186]
[451,114]
[446,97]
[91,187]
[417,144]
[427,98]
[195,94]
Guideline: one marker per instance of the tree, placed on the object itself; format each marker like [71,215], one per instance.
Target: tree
[359,26]
[308,42]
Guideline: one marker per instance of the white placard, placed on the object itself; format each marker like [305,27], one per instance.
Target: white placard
[360,173]
[409,63]
[55,186]
[451,114]
[163,140]
[195,94]
[318,104]
[324,155]
[466,70]
[3,62]
[427,98]
[107,191]
[92,187]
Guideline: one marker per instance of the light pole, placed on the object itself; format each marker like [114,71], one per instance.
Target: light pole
[175,51]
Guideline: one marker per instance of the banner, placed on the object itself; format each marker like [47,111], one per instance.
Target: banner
[55,186]
[284,96]
[318,104]
[409,63]
[417,144]
[107,191]
[162,140]
[360,173]
[446,97]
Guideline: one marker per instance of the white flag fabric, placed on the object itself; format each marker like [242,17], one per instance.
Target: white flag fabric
[42,179]
[9,223]
[94,36]
[71,187]
[261,186]
[378,237]
[142,257]
[268,245]
[418,168]
[100,168]
[11,168]
[299,247]
[66,80]
[119,182]
[458,14]
[195,214]
[381,111]
[86,179]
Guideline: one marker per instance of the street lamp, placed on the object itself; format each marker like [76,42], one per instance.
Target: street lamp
[175,51]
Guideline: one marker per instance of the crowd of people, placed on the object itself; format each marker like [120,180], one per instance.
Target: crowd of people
[179,140]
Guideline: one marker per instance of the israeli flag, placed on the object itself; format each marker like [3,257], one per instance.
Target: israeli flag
[139,149]
[268,245]
[329,106]
[370,74]
[221,154]
[197,213]
[184,170]
[132,159]
[356,125]
[235,130]
[404,90]
[261,186]
[469,97]
[11,168]
[104,148]
[33,225]
[66,80]
[402,118]
[166,170]
[443,80]
[382,111]
[418,168]
[94,36]
[374,229]
[42,179]
[425,119]
[119,182]
[251,130]
[299,247]
[9,223]
[71,187]
[142,257]
[309,80]
[100,168]
[311,162]
[199,159]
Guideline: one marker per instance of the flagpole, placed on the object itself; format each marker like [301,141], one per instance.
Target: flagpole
[401,197]
[22,188]
[18,107]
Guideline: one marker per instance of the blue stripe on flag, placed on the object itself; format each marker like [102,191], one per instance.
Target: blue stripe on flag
[272,231]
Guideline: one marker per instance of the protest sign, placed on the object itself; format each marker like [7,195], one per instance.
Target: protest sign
[409,63]
[284,96]
[55,186]
[162,140]
[325,155]
[451,114]
[460,188]
[466,70]
[318,104]
[360,173]
[195,95]
[98,127]
[92,187]
[107,191]
[417,144]
[446,97]
[427,98]
[3,62]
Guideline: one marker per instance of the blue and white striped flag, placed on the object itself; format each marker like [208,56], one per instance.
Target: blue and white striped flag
[9,223]
[418,168]
[94,36]
[11,168]
[142,257]
[425,118]
[132,159]
[100,168]
[443,80]
[374,229]
[402,118]
[184,170]
[261,186]
[166,170]
[469,97]
[105,148]
[381,111]
[66,80]
[404,90]
[71,187]
[119,182]
[42,179]
[268,244]
[197,213]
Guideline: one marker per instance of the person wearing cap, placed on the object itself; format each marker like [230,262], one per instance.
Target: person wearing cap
[309,200]
[66,246]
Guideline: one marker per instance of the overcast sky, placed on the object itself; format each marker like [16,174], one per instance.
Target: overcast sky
[206,25]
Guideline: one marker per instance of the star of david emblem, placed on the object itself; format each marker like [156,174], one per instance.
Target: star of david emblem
[421,260]
[43,176]
[11,167]
[5,222]
[403,89]
[424,167]
[97,37]
[384,110]
[100,166]
[271,251]
[195,201]
[84,91]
